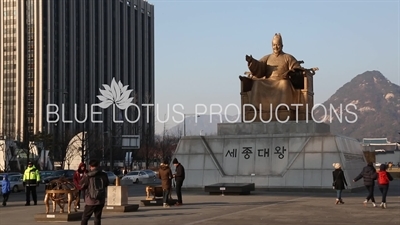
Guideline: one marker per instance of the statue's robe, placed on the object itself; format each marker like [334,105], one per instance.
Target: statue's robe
[275,89]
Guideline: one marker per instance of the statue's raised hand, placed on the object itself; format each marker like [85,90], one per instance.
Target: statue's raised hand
[249,58]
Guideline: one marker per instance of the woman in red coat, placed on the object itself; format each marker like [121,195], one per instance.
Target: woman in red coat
[78,175]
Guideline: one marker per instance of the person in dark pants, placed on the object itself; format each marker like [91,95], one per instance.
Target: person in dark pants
[339,182]
[179,178]
[125,171]
[31,180]
[369,175]
[165,174]
[78,175]
[5,189]
[94,183]
[384,179]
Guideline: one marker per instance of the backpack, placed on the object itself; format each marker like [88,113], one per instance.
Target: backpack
[383,178]
[97,189]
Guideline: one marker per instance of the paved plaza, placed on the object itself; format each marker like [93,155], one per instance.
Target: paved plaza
[261,207]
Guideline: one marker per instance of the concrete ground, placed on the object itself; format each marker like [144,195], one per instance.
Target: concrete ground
[261,207]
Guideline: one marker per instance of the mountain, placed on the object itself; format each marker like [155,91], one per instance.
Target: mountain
[373,110]
[375,101]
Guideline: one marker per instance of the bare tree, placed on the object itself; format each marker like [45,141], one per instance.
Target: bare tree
[110,146]
[147,149]
[24,151]
[47,143]
[147,134]
[64,144]
[89,145]
[72,150]
[93,143]
[177,132]
[165,146]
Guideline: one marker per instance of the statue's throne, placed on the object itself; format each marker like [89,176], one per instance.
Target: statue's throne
[302,81]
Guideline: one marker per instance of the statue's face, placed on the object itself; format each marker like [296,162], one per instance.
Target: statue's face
[276,46]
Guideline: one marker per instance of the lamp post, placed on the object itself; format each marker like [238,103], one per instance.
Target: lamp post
[83,144]
[184,122]
[105,134]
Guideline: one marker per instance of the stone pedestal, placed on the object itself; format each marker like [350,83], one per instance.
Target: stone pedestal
[117,200]
[157,202]
[58,217]
[295,155]
[230,188]
[121,208]
[117,195]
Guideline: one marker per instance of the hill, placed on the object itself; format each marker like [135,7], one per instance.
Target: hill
[376,102]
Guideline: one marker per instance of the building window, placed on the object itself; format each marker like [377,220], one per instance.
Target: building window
[9,22]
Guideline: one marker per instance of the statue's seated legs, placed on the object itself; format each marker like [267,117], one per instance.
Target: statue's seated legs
[272,93]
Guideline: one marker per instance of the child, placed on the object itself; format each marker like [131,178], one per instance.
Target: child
[5,189]
[383,182]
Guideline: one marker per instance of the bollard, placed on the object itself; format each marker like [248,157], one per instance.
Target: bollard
[117,181]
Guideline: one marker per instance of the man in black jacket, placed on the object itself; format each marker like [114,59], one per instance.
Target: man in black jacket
[95,184]
[369,175]
[179,177]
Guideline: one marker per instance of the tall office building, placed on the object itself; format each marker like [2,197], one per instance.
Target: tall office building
[62,52]
[20,66]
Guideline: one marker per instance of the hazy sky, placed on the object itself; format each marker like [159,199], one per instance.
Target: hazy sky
[200,46]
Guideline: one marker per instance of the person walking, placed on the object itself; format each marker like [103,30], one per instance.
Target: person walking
[5,189]
[78,175]
[339,182]
[369,174]
[165,174]
[383,183]
[94,183]
[390,165]
[31,180]
[125,171]
[179,178]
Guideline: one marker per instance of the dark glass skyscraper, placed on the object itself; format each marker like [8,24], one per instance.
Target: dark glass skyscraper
[64,55]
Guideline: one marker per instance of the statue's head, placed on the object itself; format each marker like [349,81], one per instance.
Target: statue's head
[277,44]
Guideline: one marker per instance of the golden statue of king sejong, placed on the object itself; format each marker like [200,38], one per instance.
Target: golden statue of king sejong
[275,80]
